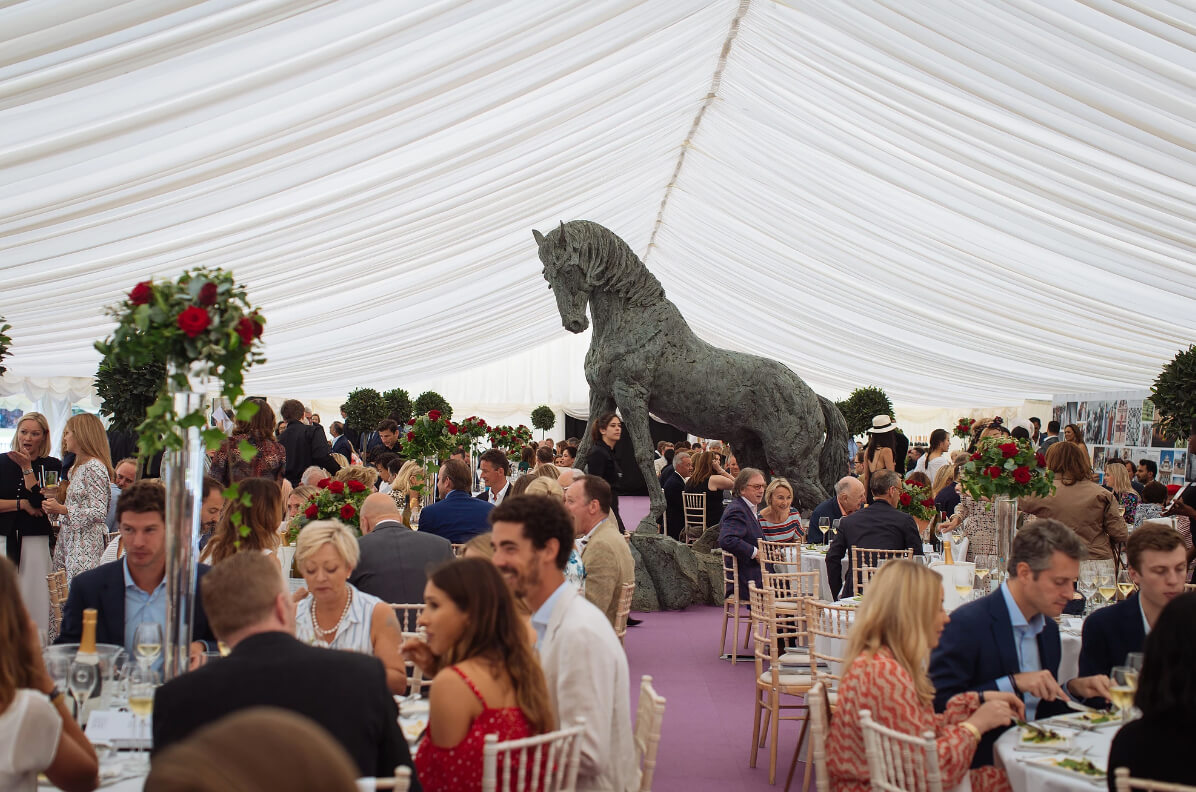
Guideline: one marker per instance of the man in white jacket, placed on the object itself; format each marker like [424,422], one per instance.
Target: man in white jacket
[583,662]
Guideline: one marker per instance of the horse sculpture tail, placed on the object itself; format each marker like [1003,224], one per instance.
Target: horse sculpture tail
[832,462]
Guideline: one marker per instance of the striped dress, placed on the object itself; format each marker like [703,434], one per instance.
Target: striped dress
[354,634]
[789,530]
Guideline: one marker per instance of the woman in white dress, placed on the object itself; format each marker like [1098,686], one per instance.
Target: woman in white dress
[37,732]
[937,456]
[335,614]
[83,528]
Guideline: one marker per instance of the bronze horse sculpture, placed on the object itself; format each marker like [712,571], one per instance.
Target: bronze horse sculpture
[644,358]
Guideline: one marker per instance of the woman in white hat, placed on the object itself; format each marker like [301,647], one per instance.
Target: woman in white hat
[879,454]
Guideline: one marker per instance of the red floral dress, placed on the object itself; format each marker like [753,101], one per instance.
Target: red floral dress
[459,769]
[879,684]
[228,466]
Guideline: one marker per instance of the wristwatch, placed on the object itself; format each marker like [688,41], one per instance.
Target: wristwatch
[28,472]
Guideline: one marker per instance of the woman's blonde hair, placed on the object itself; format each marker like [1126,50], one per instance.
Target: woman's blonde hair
[402,482]
[318,533]
[543,485]
[366,475]
[547,469]
[479,544]
[1117,478]
[90,439]
[41,421]
[942,478]
[305,491]
[774,485]
[898,613]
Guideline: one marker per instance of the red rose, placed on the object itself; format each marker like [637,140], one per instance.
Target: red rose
[1022,475]
[336,487]
[356,486]
[193,321]
[323,483]
[246,328]
[906,499]
[411,422]
[410,436]
[142,293]
[993,472]
[452,429]
[1008,449]
[434,415]
[207,294]
[311,511]
[1040,460]
[503,433]
[259,325]
[976,457]
[347,511]
[928,503]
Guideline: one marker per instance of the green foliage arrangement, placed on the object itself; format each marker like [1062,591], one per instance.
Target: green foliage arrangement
[431,436]
[5,343]
[543,418]
[398,405]
[336,500]
[861,406]
[365,409]
[200,325]
[510,439]
[428,401]
[1174,396]
[916,501]
[1005,466]
[126,393]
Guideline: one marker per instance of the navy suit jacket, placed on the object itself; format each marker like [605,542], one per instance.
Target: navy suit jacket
[1109,635]
[977,649]
[829,509]
[103,588]
[738,534]
[674,504]
[457,518]
[342,446]
[877,527]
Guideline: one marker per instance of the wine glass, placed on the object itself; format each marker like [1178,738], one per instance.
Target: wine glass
[142,682]
[962,576]
[58,668]
[824,525]
[1133,660]
[1125,584]
[834,528]
[984,569]
[1087,584]
[81,683]
[147,643]
[1124,685]
[1106,587]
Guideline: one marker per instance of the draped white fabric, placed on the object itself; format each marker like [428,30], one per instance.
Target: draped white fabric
[963,202]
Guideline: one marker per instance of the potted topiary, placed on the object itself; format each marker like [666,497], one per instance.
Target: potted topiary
[543,418]
[364,410]
[862,406]
[1174,397]
[428,401]
[398,405]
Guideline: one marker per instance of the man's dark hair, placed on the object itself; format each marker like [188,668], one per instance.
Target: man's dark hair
[682,445]
[292,410]
[496,457]
[337,428]
[1053,427]
[1151,536]
[142,497]
[385,458]
[388,425]
[544,455]
[210,485]
[1167,686]
[394,464]
[1154,492]
[542,518]
[597,488]
[1150,465]
[1036,422]
[457,472]
[669,455]
[1020,433]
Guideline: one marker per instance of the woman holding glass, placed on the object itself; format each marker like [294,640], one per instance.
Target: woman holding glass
[23,472]
[335,614]
[37,731]
[83,530]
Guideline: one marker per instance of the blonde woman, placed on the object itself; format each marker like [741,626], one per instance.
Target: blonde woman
[1117,480]
[337,615]
[23,524]
[778,519]
[895,629]
[366,475]
[82,530]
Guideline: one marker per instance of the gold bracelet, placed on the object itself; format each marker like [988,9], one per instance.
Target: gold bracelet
[972,730]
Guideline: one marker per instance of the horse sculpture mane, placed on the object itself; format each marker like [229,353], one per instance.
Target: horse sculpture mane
[608,262]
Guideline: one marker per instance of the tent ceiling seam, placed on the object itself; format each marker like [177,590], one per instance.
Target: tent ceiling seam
[715,83]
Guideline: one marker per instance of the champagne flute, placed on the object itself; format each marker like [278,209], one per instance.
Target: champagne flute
[824,525]
[1125,684]
[1124,584]
[984,569]
[58,667]
[147,643]
[82,681]
[1106,588]
[142,682]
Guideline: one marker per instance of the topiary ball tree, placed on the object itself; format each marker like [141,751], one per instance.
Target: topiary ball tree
[1174,397]
[398,405]
[861,406]
[543,418]
[126,392]
[431,400]
[365,409]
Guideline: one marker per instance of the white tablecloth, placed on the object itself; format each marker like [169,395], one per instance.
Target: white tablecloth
[814,561]
[1025,777]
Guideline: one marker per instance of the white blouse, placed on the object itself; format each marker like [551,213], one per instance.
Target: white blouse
[354,632]
[29,732]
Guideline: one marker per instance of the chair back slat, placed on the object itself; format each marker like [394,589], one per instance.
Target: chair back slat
[827,626]
[900,762]
[408,614]
[624,609]
[779,552]
[820,722]
[693,506]
[648,719]
[866,561]
[553,757]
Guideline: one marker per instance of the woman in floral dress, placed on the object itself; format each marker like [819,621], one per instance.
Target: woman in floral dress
[82,530]
[895,629]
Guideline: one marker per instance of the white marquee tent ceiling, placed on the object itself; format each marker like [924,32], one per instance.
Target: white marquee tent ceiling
[964,202]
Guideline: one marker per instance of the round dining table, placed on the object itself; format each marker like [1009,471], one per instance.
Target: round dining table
[1031,770]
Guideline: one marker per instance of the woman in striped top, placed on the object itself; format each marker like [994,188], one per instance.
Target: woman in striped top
[778,519]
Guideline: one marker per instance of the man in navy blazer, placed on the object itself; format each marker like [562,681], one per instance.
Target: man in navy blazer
[1008,640]
[458,517]
[740,529]
[1159,565]
[879,527]
[674,497]
[133,589]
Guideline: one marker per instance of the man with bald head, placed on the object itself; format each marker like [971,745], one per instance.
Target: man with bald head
[394,559]
[849,497]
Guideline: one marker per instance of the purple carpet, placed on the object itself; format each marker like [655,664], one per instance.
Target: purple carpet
[706,738]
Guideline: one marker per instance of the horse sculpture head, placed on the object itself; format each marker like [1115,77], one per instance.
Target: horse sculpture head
[566,277]
[580,257]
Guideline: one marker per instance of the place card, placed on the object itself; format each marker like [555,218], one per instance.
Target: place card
[119,729]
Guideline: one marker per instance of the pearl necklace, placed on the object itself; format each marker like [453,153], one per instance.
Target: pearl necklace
[315,623]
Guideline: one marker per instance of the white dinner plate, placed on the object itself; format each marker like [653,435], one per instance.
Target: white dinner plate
[1048,763]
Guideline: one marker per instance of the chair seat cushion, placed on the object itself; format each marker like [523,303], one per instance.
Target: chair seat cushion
[795,657]
[788,679]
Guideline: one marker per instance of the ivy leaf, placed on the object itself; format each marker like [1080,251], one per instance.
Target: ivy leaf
[212,438]
[246,410]
[247,450]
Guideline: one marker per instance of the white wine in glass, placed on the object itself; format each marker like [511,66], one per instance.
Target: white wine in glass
[1106,589]
[147,643]
[1124,584]
[142,706]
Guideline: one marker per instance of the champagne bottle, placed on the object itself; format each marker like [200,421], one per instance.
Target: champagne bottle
[948,558]
[87,645]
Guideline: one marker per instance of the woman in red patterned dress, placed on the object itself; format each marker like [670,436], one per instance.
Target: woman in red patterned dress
[487,678]
[898,623]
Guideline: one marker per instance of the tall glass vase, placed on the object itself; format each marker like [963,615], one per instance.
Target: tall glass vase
[1006,520]
[182,474]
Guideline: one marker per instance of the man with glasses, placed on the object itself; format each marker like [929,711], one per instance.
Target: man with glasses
[740,529]
[878,527]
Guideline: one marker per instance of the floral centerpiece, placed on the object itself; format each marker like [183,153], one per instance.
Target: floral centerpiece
[430,437]
[510,439]
[5,342]
[336,500]
[1008,467]
[199,325]
[471,430]
[963,429]
[916,501]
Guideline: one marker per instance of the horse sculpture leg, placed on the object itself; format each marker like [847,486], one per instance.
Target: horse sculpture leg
[633,403]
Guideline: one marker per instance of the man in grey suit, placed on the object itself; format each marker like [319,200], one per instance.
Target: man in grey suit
[394,559]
